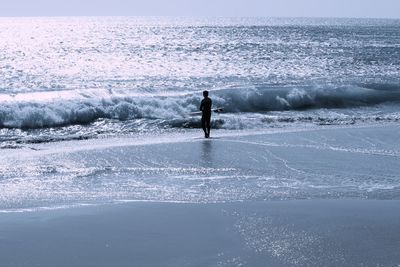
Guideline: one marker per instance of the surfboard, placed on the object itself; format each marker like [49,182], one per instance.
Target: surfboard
[216,110]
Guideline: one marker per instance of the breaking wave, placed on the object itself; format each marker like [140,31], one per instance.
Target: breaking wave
[308,97]
[39,110]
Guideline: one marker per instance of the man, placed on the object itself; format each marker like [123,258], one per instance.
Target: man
[205,108]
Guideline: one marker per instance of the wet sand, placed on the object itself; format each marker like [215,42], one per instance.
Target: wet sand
[216,202]
[272,233]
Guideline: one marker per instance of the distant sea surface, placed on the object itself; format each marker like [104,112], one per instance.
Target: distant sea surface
[84,77]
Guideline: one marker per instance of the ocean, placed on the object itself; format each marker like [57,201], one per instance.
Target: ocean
[95,79]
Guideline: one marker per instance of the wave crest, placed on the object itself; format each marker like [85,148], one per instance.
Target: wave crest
[36,113]
[297,98]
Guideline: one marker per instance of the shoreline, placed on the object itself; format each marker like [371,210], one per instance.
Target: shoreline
[318,164]
[191,135]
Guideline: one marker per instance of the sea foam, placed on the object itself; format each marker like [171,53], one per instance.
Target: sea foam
[47,109]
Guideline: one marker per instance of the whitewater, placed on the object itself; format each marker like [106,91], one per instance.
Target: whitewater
[77,77]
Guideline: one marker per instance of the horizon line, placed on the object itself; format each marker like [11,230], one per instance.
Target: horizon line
[197,16]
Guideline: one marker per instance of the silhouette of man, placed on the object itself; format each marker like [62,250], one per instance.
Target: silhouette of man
[205,108]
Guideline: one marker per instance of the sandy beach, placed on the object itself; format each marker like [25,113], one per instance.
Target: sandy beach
[274,233]
[315,197]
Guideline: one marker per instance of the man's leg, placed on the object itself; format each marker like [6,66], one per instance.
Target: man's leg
[203,125]
[208,125]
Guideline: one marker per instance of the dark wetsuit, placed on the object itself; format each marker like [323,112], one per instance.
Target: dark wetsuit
[205,107]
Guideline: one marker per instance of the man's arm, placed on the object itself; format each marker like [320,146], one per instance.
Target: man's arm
[202,105]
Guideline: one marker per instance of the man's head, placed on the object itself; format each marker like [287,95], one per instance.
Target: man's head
[205,93]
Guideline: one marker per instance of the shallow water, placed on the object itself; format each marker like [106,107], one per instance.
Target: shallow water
[344,162]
